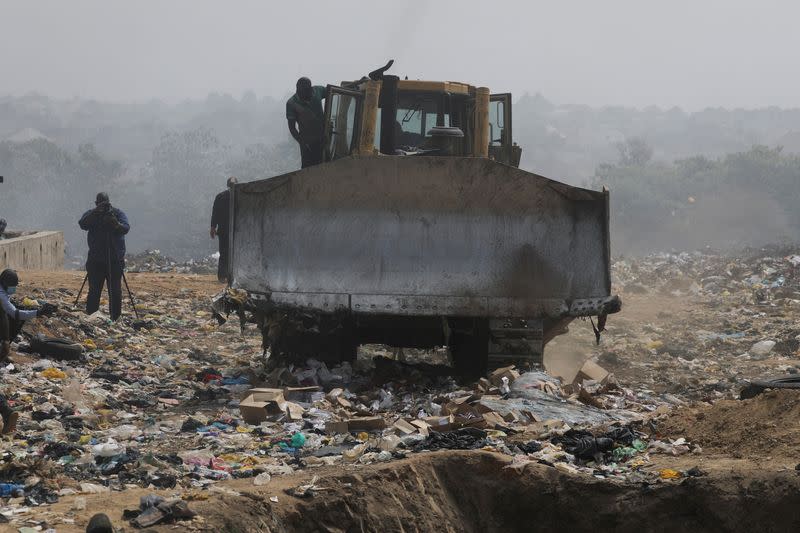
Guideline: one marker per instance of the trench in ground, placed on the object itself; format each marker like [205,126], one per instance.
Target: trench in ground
[473,492]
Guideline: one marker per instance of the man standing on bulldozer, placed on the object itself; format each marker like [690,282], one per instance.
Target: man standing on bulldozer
[304,108]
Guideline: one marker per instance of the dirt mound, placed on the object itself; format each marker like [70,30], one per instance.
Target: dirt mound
[471,491]
[762,426]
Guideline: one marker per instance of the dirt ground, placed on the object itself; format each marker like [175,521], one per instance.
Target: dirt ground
[766,427]
[747,480]
[476,491]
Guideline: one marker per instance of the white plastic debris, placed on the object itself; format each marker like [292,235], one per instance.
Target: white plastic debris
[762,348]
[109,448]
[262,479]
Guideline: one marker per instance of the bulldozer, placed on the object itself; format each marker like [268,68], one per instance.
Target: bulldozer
[419,230]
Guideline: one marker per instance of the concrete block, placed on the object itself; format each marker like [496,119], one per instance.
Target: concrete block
[35,250]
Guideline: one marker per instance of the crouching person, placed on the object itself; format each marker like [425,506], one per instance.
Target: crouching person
[11,322]
[11,318]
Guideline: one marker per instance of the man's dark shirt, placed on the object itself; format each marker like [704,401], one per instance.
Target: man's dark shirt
[310,115]
[221,212]
[106,240]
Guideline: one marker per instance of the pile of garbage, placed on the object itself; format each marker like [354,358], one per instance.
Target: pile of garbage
[762,276]
[155,261]
[173,400]
[721,321]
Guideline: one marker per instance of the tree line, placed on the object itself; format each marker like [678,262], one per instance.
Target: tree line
[678,179]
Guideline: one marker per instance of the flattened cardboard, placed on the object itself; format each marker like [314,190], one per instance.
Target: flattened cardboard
[404,427]
[265,395]
[340,426]
[343,402]
[493,420]
[366,423]
[424,427]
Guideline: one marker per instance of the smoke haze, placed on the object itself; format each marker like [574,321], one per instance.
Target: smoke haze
[688,111]
[726,53]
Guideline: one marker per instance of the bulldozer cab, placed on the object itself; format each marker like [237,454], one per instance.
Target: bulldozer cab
[417,118]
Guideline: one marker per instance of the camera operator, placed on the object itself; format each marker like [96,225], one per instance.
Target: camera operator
[107,227]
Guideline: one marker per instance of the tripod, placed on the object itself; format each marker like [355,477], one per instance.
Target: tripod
[110,248]
[127,287]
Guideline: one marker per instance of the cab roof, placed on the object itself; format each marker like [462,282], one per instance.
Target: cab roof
[453,87]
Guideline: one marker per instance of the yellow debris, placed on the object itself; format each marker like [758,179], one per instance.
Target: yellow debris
[668,473]
[53,373]
[237,296]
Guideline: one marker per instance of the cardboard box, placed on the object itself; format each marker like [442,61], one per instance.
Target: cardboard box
[457,406]
[261,404]
[496,377]
[293,411]
[591,371]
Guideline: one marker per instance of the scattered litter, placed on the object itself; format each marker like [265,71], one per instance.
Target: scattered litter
[175,401]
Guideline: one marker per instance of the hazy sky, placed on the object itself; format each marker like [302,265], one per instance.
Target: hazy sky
[691,53]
